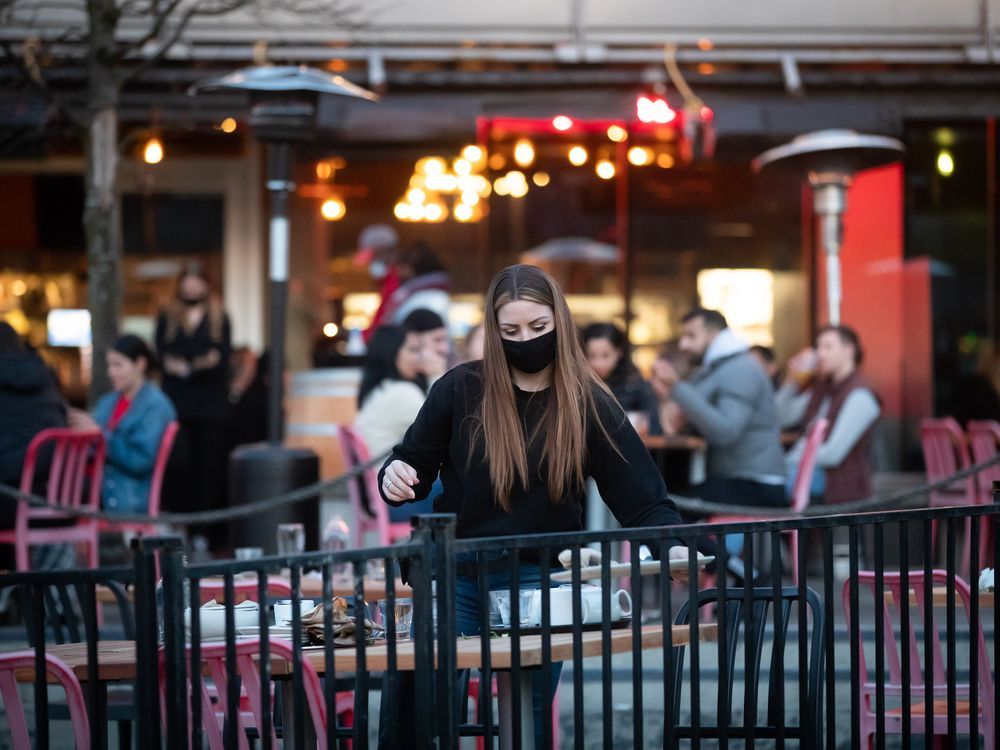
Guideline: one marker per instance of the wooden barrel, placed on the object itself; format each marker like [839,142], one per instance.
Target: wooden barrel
[318,402]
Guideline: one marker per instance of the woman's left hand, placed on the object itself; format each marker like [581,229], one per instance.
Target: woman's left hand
[81,420]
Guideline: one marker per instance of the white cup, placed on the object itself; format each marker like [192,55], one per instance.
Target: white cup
[283,610]
[560,607]
[212,619]
[621,604]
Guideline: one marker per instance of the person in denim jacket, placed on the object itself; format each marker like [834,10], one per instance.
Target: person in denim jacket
[133,418]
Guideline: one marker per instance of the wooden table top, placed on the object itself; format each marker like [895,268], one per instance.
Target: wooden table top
[674,443]
[117,659]
[939,597]
[310,587]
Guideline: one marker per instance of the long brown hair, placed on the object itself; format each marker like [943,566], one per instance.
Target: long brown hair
[571,403]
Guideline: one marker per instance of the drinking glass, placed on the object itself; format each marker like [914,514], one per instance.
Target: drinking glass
[248,553]
[404,617]
[291,539]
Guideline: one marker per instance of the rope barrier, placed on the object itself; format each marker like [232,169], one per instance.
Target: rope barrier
[897,501]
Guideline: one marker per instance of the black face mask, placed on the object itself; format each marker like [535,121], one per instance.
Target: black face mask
[533,355]
[192,301]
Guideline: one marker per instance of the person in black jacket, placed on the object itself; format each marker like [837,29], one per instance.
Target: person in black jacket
[608,353]
[29,403]
[193,344]
[514,438]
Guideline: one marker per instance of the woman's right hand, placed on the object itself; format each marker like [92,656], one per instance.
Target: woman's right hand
[398,481]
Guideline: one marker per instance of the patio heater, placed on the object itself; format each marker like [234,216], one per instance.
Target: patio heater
[829,159]
[288,105]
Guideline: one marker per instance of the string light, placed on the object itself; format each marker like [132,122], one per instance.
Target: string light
[228,125]
[473,153]
[639,156]
[333,209]
[330,330]
[617,133]
[524,153]
[578,156]
[562,123]
[605,169]
[153,152]
[541,178]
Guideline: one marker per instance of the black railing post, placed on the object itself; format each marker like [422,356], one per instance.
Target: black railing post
[174,663]
[442,531]
[146,638]
[420,574]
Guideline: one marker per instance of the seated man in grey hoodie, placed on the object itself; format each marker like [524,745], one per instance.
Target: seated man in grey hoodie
[729,400]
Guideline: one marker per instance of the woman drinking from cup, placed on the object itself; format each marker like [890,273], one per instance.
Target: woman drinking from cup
[514,438]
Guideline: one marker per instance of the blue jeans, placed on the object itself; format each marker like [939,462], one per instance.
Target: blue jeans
[467,620]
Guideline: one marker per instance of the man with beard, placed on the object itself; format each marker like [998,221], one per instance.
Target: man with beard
[729,400]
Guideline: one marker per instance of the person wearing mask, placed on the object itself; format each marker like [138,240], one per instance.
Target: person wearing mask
[434,341]
[193,343]
[607,352]
[393,388]
[378,246]
[133,418]
[839,394]
[513,439]
[424,285]
[729,400]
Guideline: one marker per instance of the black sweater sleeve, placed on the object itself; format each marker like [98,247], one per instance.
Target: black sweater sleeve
[626,476]
[426,442]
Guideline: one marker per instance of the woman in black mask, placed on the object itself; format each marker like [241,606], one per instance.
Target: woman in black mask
[514,437]
[193,343]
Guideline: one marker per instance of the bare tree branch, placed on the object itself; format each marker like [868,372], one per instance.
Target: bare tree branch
[30,74]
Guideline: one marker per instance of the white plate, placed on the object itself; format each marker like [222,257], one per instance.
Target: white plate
[620,570]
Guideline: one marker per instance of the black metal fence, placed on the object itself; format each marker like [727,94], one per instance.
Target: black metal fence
[872,635]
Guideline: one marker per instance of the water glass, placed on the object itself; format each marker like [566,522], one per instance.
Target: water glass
[248,553]
[291,539]
[403,612]
[375,569]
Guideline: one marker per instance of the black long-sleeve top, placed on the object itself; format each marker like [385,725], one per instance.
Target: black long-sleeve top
[439,442]
[203,396]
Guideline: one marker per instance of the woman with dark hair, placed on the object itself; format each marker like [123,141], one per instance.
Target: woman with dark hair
[608,353]
[514,438]
[393,388]
[193,342]
[133,418]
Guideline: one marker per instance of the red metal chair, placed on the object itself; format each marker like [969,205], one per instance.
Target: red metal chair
[800,491]
[214,715]
[242,589]
[370,512]
[12,706]
[155,486]
[74,481]
[894,686]
[984,442]
[946,452]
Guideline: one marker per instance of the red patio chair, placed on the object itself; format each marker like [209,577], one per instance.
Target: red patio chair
[946,452]
[155,486]
[894,686]
[370,511]
[214,715]
[12,706]
[74,481]
[800,492]
[984,442]
[242,589]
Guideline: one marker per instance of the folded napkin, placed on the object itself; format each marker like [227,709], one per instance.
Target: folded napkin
[344,626]
[987,580]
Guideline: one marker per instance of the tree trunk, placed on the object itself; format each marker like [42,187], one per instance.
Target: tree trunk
[101,214]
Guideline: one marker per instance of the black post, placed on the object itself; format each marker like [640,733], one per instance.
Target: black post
[279,185]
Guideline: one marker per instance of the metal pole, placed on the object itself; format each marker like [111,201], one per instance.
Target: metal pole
[279,185]
[830,203]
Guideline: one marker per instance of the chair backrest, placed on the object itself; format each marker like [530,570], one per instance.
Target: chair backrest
[160,467]
[213,657]
[892,624]
[75,471]
[945,453]
[12,706]
[370,513]
[63,611]
[807,464]
[754,642]
[984,442]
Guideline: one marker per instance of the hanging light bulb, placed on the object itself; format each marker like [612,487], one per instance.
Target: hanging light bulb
[541,178]
[605,169]
[617,133]
[333,209]
[562,123]
[153,151]
[578,156]
[463,212]
[639,156]
[524,153]
[473,153]
[402,211]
